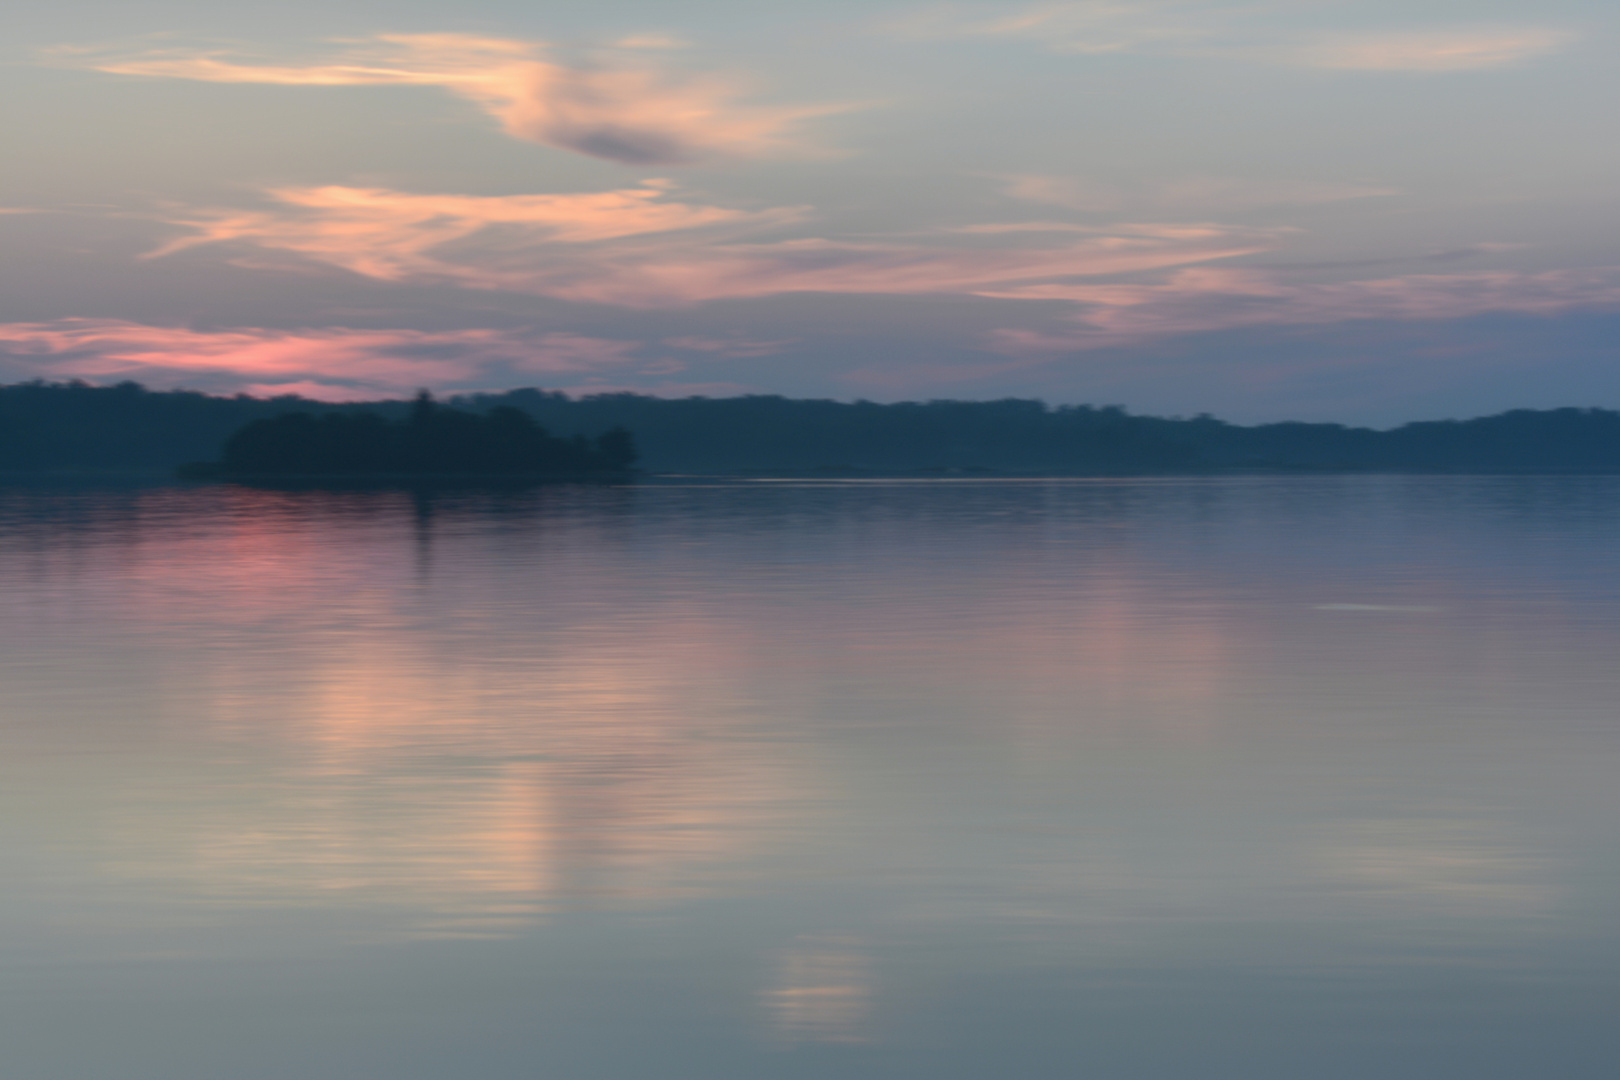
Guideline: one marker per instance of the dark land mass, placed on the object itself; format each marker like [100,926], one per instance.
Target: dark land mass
[74,427]
[429,442]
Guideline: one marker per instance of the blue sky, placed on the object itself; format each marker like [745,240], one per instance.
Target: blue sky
[1364,212]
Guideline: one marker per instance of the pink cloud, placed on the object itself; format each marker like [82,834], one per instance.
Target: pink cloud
[1206,299]
[633,114]
[333,364]
[638,248]
[396,236]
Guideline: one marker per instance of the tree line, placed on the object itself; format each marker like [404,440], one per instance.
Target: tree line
[75,426]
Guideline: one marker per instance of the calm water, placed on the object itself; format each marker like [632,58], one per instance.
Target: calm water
[1117,780]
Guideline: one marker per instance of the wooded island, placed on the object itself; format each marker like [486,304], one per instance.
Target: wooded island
[430,441]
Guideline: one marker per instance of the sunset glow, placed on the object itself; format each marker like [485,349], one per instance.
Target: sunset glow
[1068,200]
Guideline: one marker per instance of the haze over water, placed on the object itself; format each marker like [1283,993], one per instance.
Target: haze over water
[1208,778]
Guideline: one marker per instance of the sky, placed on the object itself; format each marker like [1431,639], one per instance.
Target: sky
[1350,210]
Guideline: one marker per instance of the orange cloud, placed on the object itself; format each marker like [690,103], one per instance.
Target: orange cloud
[631,249]
[1208,298]
[632,114]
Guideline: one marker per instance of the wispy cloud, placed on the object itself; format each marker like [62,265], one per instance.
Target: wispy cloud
[652,41]
[1461,49]
[728,348]
[395,235]
[1204,299]
[638,248]
[1256,33]
[1092,26]
[565,353]
[330,363]
[628,112]
[1203,194]
[343,363]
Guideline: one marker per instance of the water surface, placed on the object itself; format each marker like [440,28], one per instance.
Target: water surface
[1207,778]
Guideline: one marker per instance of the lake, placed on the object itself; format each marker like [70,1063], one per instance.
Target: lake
[1129,779]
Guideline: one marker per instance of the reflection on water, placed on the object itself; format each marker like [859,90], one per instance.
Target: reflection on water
[1055,765]
[468,779]
[1457,863]
[823,992]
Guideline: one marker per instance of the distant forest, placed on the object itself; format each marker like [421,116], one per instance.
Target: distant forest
[77,427]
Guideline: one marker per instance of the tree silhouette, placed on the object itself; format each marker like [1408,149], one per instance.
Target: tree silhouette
[430,439]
